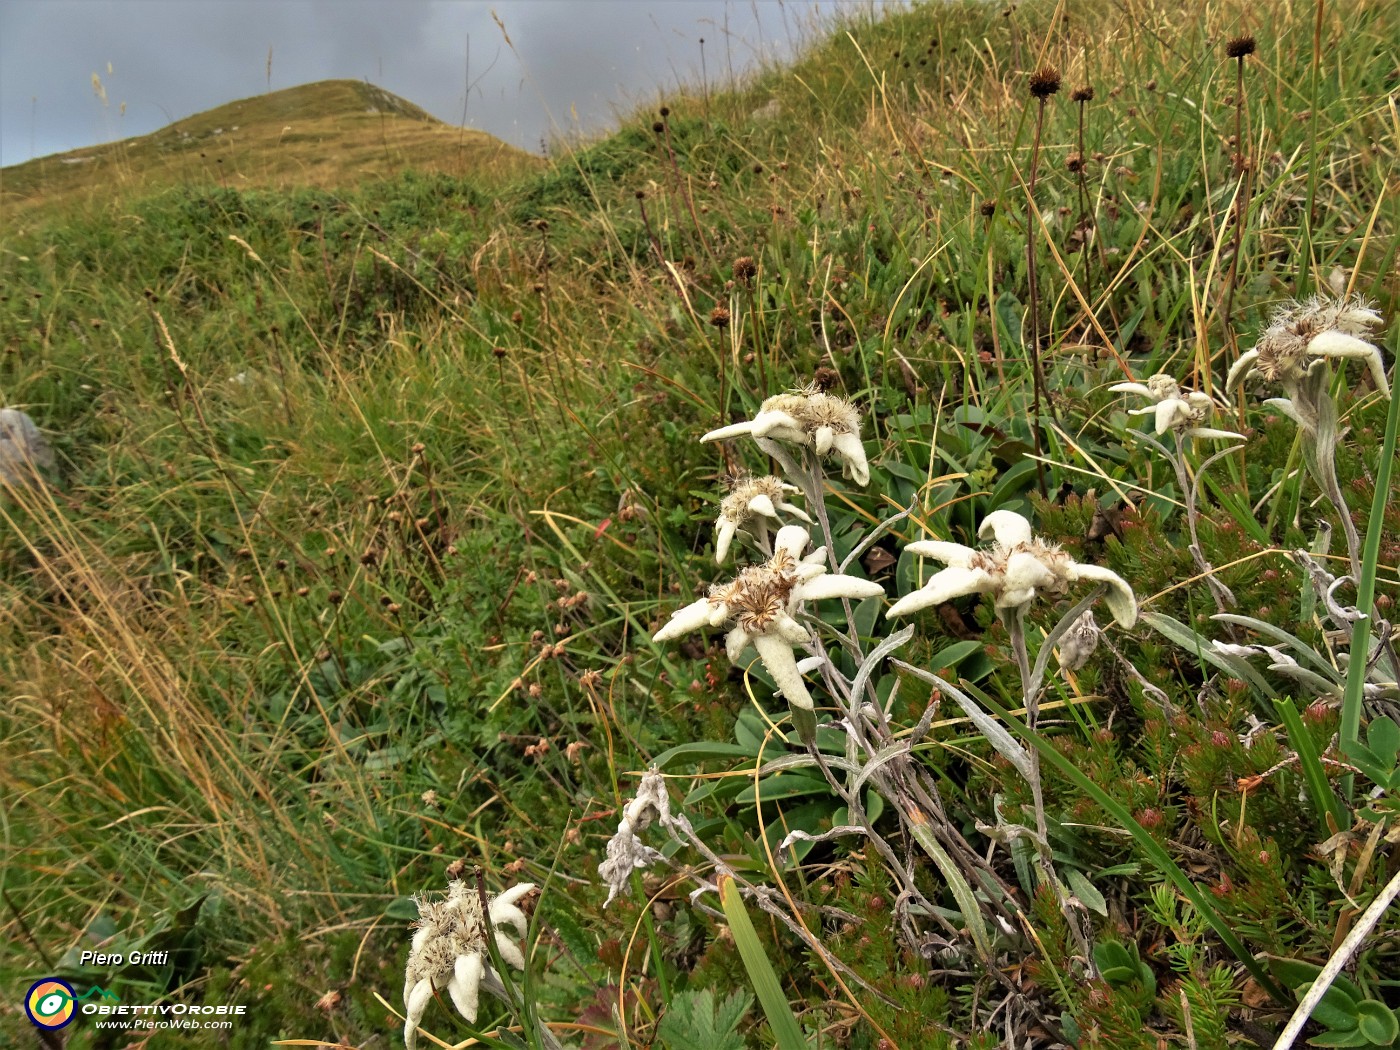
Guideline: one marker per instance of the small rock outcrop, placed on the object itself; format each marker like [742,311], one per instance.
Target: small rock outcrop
[23,449]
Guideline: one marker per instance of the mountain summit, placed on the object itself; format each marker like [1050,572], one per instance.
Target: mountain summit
[329,134]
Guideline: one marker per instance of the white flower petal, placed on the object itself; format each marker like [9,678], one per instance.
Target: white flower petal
[724,536]
[1121,601]
[943,586]
[778,658]
[510,917]
[1131,388]
[824,587]
[732,431]
[1339,344]
[852,453]
[1287,408]
[414,1005]
[795,512]
[1198,401]
[735,642]
[1217,435]
[822,439]
[1025,573]
[517,892]
[1007,526]
[788,629]
[465,985]
[791,540]
[510,951]
[942,550]
[1240,368]
[685,620]
[1357,318]
[1169,412]
[761,504]
[778,424]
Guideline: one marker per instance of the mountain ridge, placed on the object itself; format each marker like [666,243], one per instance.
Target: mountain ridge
[328,134]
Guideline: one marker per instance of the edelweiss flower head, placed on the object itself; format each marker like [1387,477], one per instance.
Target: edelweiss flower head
[760,607]
[626,852]
[812,419]
[1175,410]
[449,950]
[1302,333]
[1014,570]
[751,504]
[1079,642]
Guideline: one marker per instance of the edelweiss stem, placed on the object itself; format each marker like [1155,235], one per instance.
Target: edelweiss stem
[1030,700]
[1190,488]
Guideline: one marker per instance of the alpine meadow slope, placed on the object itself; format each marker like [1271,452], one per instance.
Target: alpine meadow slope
[381,572]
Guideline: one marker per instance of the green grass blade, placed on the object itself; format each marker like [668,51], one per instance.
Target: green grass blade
[764,978]
[1366,586]
[1324,798]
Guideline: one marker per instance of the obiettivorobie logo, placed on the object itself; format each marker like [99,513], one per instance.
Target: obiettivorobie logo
[52,1003]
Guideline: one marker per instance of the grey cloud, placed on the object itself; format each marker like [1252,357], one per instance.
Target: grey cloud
[172,58]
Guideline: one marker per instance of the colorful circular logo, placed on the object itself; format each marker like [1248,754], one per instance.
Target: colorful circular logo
[49,1003]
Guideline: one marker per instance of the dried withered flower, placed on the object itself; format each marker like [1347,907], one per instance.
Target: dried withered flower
[1045,81]
[1240,46]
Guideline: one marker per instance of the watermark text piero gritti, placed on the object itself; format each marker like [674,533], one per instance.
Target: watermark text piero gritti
[129,959]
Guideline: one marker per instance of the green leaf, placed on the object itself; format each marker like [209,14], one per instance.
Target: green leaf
[1324,799]
[693,1021]
[1085,891]
[1351,1037]
[701,750]
[1383,738]
[782,785]
[1377,1022]
[764,979]
[1336,1010]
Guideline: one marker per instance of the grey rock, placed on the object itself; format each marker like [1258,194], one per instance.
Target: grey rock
[23,448]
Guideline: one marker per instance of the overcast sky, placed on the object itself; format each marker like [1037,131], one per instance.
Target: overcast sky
[570,64]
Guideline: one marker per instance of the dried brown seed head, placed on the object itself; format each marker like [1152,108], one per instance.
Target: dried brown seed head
[1045,81]
[1240,46]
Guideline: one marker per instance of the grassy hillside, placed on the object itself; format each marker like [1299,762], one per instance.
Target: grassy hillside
[370,499]
[334,134]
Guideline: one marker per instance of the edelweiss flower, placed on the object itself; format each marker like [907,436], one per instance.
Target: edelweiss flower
[1015,569]
[752,502]
[449,950]
[760,606]
[1175,409]
[1303,333]
[1079,642]
[812,419]
[626,851]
